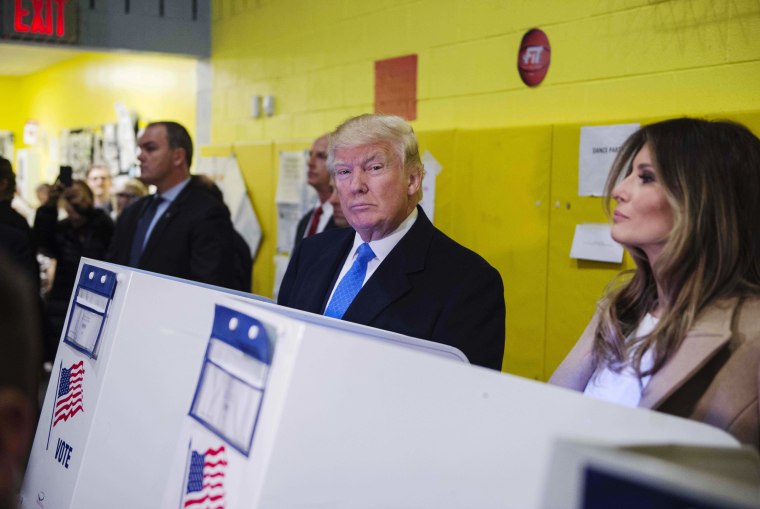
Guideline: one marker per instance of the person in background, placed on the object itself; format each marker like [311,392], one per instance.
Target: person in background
[19,371]
[86,232]
[126,192]
[46,264]
[243,259]
[394,270]
[182,230]
[15,234]
[99,180]
[42,191]
[339,218]
[319,218]
[681,333]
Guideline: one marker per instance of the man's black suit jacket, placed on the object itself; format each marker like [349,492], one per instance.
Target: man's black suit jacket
[304,223]
[17,241]
[428,287]
[193,239]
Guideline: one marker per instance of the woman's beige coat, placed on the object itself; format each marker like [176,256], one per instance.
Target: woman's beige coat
[713,377]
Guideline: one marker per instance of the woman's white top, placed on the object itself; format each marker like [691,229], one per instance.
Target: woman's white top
[625,387]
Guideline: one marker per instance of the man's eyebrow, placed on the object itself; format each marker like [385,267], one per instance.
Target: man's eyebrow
[370,158]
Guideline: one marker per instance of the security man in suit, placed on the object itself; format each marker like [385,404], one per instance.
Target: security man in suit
[15,234]
[394,270]
[181,230]
[319,218]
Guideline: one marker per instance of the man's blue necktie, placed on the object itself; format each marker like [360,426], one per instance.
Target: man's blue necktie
[351,283]
[142,229]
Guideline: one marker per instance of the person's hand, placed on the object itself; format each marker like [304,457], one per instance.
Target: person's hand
[54,194]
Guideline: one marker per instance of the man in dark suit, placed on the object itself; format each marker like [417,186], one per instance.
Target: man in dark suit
[397,271]
[182,230]
[15,234]
[319,218]
[243,259]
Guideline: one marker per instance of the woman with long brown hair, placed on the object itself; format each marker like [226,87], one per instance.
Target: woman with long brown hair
[681,333]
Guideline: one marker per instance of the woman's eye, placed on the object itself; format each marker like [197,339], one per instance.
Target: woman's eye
[646,177]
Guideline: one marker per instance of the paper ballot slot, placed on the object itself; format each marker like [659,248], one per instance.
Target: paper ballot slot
[89,309]
[233,378]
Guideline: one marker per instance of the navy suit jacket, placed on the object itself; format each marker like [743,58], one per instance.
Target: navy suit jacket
[193,239]
[428,287]
[17,241]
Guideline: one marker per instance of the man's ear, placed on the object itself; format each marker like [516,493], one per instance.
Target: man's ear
[179,157]
[415,181]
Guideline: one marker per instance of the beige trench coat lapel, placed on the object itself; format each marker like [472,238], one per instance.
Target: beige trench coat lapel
[709,334]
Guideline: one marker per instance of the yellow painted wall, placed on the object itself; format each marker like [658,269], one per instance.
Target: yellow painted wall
[509,152]
[82,91]
[611,59]
[13,111]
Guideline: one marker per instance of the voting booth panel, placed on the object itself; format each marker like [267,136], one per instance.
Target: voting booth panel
[112,414]
[593,476]
[199,397]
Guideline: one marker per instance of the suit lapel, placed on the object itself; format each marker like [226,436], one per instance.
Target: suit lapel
[321,272]
[390,281]
[710,333]
[131,222]
[163,221]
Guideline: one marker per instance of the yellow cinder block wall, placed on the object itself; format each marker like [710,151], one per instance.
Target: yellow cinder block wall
[13,111]
[509,152]
[610,60]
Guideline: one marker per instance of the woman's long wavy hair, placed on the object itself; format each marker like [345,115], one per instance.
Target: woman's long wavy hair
[710,171]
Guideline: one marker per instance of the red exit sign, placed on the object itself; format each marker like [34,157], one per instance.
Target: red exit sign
[40,20]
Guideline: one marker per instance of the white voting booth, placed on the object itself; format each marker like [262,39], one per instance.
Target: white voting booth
[172,394]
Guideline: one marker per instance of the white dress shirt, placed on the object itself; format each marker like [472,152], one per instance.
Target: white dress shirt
[381,248]
[624,388]
[168,197]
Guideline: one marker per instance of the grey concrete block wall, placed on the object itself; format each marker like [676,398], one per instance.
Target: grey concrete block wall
[180,27]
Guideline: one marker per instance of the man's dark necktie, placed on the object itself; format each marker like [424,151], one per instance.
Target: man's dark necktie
[314,221]
[142,229]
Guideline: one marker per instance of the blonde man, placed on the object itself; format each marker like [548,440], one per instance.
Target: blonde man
[394,270]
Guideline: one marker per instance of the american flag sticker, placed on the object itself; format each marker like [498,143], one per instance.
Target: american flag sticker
[205,479]
[69,398]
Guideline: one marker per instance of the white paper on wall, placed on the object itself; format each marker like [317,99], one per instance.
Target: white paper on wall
[593,241]
[292,177]
[125,138]
[294,198]
[432,169]
[226,173]
[598,147]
